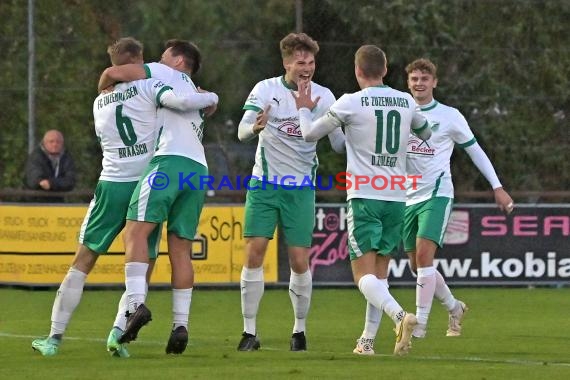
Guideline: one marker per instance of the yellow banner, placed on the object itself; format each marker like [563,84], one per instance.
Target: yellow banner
[37,244]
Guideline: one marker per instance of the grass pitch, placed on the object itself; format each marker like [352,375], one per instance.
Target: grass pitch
[507,334]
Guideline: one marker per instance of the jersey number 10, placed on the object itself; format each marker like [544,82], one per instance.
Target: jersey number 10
[387,141]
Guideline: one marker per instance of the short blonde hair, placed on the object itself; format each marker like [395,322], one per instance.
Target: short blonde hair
[124,50]
[297,41]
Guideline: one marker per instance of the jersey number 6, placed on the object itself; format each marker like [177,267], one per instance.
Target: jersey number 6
[125,127]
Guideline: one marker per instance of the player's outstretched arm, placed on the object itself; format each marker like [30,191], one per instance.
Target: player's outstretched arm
[195,101]
[123,73]
[482,162]
[337,140]
[315,130]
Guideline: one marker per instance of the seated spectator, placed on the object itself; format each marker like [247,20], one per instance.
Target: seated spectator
[50,167]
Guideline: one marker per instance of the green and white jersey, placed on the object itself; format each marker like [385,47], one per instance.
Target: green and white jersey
[431,159]
[282,155]
[377,122]
[125,125]
[180,133]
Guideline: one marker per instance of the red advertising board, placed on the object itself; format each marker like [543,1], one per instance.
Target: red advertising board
[482,246]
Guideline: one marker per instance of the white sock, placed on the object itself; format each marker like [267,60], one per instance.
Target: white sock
[66,300]
[373,318]
[425,288]
[443,294]
[300,290]
[121,317]
[135,283]
[181,301]
[252,287]
[376,292]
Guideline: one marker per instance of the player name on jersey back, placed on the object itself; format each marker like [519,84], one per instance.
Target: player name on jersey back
[135,150]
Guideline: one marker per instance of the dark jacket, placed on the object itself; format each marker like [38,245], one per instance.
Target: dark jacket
[40,167]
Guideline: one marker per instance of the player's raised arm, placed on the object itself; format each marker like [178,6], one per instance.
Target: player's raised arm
[312,131]
[123,73]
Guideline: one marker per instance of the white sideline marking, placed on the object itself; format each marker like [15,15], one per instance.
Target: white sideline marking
[487,360]
[474,359]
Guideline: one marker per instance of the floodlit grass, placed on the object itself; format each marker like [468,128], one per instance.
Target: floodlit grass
[508,334]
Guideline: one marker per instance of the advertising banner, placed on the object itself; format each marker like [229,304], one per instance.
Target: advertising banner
[482,246]
[37,244]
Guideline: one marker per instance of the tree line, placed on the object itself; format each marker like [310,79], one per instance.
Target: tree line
[503,64]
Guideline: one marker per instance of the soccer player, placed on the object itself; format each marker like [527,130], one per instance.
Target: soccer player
[125,125]
[429,204]
[282,158]
[377,121]
[179,159]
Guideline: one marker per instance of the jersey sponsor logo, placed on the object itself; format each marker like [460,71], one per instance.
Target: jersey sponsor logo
[419,147]
[290,128]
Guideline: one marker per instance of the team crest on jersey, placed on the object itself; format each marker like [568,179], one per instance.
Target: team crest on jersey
[419,147]
[290,128]
[251,98]
[434,126]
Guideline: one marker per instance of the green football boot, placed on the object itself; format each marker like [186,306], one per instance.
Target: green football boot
[46,346]
[114,347]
